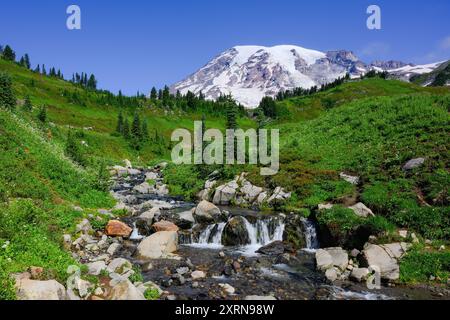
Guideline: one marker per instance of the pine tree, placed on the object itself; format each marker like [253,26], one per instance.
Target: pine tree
[27,61]
[92,83]
[44,71]
[120,123]
[136,127]
[231,116]
[27,106]
[38,69]
[144,130]
[126,129]
[103,178]
[42,115]
[268,106]
[73,149]
[22,62]
[154,94]
[7,97]
[9,54]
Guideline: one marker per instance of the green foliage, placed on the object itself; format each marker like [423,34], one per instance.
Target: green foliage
[8,54]
[137,275]
[152,294]
[42,114]
[27,106]
[419,265]
[73,149]
[7,97]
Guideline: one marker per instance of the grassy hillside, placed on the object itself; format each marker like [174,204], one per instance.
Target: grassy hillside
[309,107]
[90,110]
[38,188]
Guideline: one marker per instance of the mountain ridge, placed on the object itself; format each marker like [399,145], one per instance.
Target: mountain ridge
[249,73]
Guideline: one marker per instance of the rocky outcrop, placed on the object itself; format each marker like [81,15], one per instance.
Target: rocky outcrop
[332,257]
[206,212]
[226,193]
[350,179]
[158,245]
[235,233]
[386,257]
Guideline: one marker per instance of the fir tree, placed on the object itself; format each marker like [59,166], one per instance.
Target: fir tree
[7,97]
[120,123]
[92,83]
[27,61]
[44,71]
[42,115]
[38,69]
[27,106]
[153,94]
[126,129]
[9,54]
[231,116]
[144,130]
[73,149]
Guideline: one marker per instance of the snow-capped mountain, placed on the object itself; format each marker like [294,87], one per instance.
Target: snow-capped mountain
[249,73]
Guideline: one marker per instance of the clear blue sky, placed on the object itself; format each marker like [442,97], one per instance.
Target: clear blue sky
[135,44]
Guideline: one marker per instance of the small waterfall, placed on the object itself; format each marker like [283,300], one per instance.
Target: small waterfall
[312,241]
[135,234]
[265,231]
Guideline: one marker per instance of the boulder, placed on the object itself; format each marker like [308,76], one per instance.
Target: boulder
[95,268]
[165,226]
[413,164]
[276,248]
[162,190]
[359,274]
[332,274]
[187,217]
[226,193]
[262,197]
[119,266]
[197,275]
[151,176]
[235,232]
[113,248]
[250,192]
[326,206]
[331,257]
[145,220]
[116,228]
[279,195]
[84,226]
[158,245]
[361,210]
[125,290]
[227,288]
[386,258]
[294,231]
[27,289]
[206,212]
[350,179]
[144,188]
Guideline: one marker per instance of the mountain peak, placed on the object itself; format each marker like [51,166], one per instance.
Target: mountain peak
[249,73]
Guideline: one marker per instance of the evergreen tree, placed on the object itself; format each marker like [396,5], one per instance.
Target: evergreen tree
[7,97]
[120,123]
[22,62]
[38,69]
[103,181]
[126,129]
[92,83]
[27,106]
[153,94]
[73,149]
[44,71]
[160,94]
[42,115]
[144,130]
[27,61]
[136,127]
[268,106]
[9,54]
[231,116]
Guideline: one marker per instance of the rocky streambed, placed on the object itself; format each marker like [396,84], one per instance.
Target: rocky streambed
[161,247]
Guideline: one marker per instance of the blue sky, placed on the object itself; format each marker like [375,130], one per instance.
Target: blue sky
[135,44]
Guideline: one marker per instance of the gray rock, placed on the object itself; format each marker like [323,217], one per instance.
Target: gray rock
[206,212]
[350,179]
[332,274]
[120,266]
[359,274]
[361,210]
[197,275]
[413,164]
[331,257]
[125,290]
[225,194]
[84,226]
[386,258]
[27,289]
[158,245]
[95,268]
[113,248]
